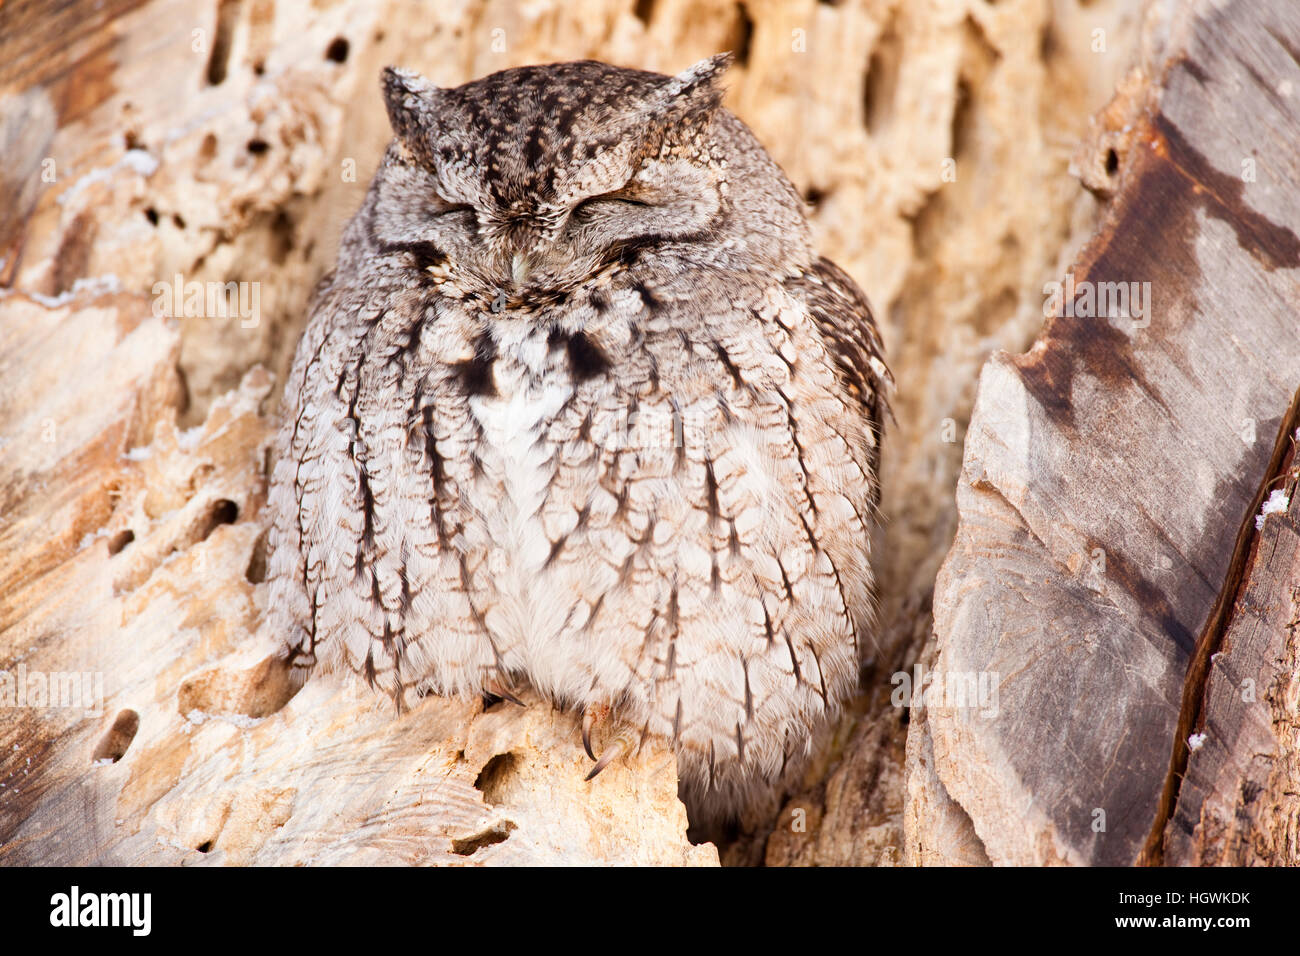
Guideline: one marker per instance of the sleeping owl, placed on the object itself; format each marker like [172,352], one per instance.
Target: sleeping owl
[580,407]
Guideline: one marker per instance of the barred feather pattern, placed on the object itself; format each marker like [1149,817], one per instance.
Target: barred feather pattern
[644,477]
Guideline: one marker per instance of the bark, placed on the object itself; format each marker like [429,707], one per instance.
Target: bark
[1108,574]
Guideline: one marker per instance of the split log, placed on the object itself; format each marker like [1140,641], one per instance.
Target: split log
[1239,800]
[1109,492]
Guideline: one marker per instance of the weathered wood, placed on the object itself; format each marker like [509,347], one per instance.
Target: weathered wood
[1112,472]
[118,552]
[1239,801]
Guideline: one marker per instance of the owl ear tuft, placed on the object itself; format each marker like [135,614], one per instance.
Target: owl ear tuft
[413,102]
[693,95]
[701,76]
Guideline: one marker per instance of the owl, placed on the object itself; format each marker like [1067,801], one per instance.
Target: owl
[580,407]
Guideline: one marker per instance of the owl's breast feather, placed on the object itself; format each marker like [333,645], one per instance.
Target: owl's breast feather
[517,469]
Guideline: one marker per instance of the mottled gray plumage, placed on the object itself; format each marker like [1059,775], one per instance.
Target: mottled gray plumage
[580,406]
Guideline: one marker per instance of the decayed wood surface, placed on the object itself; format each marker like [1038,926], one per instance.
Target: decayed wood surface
[133,462]
[1239,803]
[1107,501]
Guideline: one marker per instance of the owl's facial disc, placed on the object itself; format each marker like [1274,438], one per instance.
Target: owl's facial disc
[536,178]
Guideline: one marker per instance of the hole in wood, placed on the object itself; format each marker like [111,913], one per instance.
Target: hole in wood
[255,573]
[469,845]
[744,36]
[963,120]
[282,235]
[219,61]
[337,50]
[223,511]
[492,779]
[881,84]
[113,745]
[120,541]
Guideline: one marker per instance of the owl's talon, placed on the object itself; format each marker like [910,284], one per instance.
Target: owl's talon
[612,753]
[592,715]
[494,689]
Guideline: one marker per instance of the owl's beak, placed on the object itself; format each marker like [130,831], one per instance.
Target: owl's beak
[521,266]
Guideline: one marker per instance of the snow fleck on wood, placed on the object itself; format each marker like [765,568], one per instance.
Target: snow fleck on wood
[1277,503]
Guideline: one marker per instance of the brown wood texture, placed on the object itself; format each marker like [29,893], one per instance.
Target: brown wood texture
[1111,479]
[1239,798]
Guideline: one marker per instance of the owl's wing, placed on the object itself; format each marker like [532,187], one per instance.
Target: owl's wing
[847,326]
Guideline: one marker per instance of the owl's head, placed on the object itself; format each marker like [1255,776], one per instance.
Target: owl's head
[536,179]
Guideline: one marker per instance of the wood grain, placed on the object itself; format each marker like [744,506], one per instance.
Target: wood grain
[1111,471]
